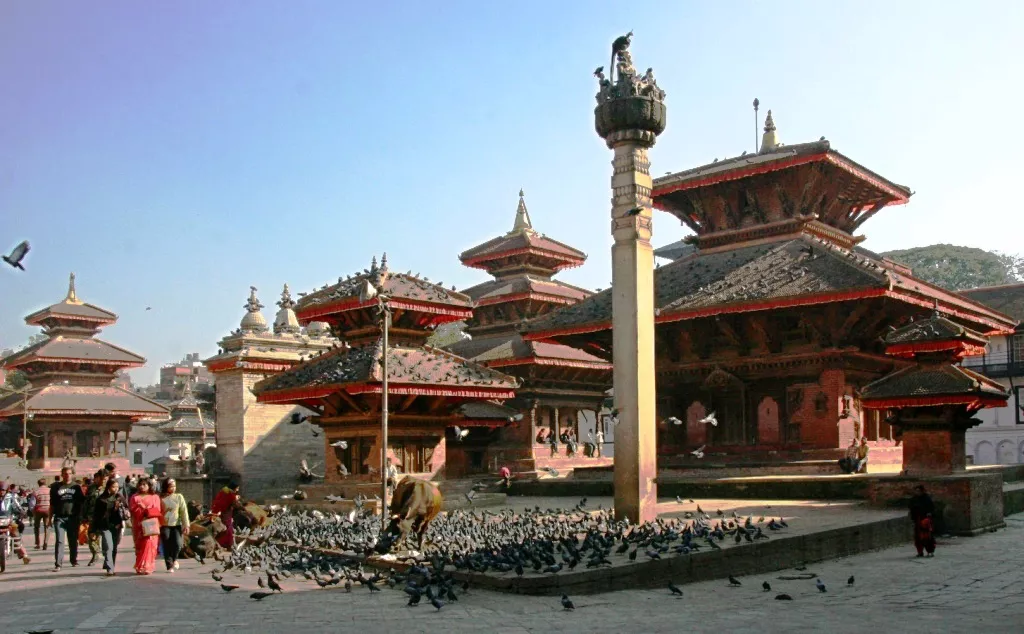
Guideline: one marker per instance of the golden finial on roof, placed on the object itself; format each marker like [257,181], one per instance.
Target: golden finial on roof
[770,139]
[522,222]
[72,298]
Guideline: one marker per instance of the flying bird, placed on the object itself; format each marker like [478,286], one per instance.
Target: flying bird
[699,452]
[673,420]
[17,255]
[710,418]
[460,433]
[340,444]
[634,212]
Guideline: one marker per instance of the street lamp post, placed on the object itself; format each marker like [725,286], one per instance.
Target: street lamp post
[24,418]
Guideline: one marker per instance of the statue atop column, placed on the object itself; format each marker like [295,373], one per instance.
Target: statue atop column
[627,100]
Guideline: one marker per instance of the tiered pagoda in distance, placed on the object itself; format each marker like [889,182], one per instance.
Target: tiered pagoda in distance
[430,390]
[255,442]
[772,317]
[72,403]
[560,384]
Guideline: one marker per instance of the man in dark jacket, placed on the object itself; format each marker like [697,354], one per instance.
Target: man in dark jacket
[66,499]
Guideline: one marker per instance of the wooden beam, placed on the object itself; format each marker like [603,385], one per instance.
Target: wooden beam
[729,333]
[406,402]
[851,320]
[351,402]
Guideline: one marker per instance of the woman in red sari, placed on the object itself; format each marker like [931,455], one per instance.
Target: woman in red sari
[145,508]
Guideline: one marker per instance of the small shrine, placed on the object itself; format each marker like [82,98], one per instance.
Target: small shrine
[72,409]
[189,431]
[931,405]
[934,400]
[429,392]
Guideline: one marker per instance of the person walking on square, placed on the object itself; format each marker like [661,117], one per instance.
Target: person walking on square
[66,498]
[922,510]
[146,512]
[107,521]
[599,442]
[41,513]
[175,523]
[93,537]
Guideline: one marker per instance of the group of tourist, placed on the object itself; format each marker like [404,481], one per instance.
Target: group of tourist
[571,442]
[856,458]
[95,512]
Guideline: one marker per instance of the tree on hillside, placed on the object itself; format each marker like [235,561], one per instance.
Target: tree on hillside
[957,268]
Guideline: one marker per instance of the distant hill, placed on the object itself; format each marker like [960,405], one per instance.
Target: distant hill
[958,268]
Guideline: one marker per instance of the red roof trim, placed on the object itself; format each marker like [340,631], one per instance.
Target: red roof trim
[971,400]
[737,174]
[785,302]
[34,357]
[351,303]
[963,349]
[554,299]
[899,197]
[405,388]
[301,394]
[595,365]
[569,261]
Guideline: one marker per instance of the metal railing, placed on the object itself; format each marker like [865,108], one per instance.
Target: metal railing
[996,365]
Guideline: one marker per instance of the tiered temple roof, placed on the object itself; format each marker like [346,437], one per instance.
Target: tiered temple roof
[522,290]
[354,370]
[936,344]
[71,372]
[522,250]
[774,230]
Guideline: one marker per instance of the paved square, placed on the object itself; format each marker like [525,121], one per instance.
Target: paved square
[973,584]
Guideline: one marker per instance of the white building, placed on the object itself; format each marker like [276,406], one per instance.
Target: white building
[1000,438]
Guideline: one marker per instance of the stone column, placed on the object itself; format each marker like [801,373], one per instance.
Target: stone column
[633,333]
[629,116]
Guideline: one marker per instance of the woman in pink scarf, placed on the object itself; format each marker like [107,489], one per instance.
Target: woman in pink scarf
[146,511]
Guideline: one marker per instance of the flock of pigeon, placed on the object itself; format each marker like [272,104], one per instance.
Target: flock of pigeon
[329,549]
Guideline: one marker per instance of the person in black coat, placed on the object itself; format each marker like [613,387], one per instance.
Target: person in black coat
[107,520]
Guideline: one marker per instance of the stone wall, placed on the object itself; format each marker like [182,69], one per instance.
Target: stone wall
[258,442]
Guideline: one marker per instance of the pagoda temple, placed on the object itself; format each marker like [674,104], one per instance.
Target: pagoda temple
[72,404]
[560,384]
[254,438]
[429,390]
[772,315]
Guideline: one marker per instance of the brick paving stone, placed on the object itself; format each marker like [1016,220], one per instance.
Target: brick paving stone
[973,584]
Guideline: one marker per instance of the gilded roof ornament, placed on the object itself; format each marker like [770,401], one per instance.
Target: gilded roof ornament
[522,222]
[72,297]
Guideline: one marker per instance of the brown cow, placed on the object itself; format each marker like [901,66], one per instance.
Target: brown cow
[413,505]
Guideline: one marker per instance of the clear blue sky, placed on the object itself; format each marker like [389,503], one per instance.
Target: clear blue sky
[174,153]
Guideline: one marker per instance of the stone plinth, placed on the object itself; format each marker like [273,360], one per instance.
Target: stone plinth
[932,452]
[965,504]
